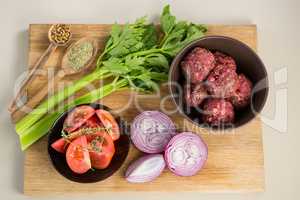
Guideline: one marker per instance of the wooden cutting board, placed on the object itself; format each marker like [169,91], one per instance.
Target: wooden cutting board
[235,161]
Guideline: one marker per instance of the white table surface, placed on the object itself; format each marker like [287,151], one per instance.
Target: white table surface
[278,23]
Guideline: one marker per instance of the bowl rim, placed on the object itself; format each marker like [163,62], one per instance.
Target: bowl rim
[49,145]
[236,41]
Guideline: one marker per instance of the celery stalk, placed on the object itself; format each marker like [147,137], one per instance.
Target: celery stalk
[39,129]
[27,121]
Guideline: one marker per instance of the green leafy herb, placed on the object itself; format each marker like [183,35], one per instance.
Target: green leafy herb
[167,21]
[131,38]
[177,34]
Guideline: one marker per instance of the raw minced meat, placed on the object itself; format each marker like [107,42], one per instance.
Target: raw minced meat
[198,64]
[223,59]
[242,94]
[221,81]
[194,94]
[213,84]
[218,112]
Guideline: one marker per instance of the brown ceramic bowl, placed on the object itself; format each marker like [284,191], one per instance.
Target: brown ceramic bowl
[59,159]
[248,63]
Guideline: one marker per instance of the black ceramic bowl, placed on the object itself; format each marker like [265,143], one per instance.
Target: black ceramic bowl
[247,62]
[59,160]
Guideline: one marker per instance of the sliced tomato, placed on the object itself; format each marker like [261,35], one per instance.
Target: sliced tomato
[101,149]
[78,117]
[60,145]
[92,122]
[109,123]
[77,155]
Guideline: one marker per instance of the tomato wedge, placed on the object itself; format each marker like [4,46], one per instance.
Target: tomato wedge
[77,117]
[77,155]
[60,145]
[92,122]
[101,149]
[109,123]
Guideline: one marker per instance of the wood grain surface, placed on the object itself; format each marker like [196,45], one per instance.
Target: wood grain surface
[235,161]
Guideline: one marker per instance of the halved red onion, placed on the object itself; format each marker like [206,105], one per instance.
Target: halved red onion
[186,154]
[151,131]
[145,169]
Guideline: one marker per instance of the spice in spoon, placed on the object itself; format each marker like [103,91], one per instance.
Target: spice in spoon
[60,34]
[79,54]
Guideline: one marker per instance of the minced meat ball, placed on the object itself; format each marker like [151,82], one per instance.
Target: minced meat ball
[194,94]
[242,93]
[223,59]
[221,81]
[197,64]
[217,112]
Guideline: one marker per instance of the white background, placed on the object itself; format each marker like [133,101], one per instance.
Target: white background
[278,45]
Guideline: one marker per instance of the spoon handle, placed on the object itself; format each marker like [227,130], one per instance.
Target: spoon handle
[40,95]
[42,60]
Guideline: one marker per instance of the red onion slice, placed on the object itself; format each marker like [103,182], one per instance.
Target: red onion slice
[151,131]
[145,169]
[186,154]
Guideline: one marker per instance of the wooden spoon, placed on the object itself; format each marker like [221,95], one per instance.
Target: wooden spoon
[66,69]
[41,61]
